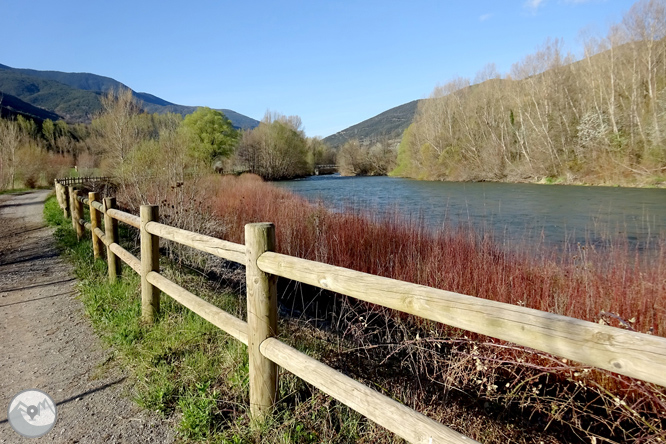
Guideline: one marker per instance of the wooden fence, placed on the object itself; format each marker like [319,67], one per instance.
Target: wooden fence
[80,180]
[62,187]
[625,352]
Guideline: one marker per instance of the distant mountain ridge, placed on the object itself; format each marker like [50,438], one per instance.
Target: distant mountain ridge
[76,96]
[11,106]
[77,80]
[389,124]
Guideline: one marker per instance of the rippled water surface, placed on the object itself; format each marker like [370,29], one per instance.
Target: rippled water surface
[553,214]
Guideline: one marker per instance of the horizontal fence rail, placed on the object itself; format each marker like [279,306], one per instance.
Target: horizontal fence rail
[629,353]
[215,315]
[217,247]
[80,180]
[390,414]
[625,352]
[127,218]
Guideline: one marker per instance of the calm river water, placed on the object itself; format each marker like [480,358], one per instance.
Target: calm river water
[554,214]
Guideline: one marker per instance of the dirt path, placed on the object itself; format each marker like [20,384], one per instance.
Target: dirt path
[47,343]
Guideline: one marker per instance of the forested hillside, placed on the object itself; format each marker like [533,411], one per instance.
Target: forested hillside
[76,97]
[11,107]
[388,125]
[71,104]
[599,119]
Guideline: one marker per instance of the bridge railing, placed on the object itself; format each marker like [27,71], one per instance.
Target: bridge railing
[625,352]
[325,169]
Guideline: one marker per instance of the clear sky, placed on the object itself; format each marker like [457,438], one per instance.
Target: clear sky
[333,63]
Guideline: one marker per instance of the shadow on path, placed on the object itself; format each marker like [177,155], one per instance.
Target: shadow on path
[45,284]
[38,299]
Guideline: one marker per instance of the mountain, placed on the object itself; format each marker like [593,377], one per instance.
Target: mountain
[11,106]
[72,104]
[77,80]
[391,124]
[76,96]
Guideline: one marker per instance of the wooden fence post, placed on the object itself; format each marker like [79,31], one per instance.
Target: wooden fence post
[72,207]
[61,194]
[95,221]
[111,233]
[261,319]
[65,199]
[78,214]
[150,261]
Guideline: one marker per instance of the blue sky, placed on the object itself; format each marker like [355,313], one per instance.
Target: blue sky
[333,63]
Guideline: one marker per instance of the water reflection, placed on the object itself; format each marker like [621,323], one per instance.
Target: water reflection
[518,213]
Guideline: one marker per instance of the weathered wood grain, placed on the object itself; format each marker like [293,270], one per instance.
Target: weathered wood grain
[102,237]
[111,236]
[261,319]
[127,257]
[632,354]
[150,261]
[127,218]
[72,209]
[401,420]
[98,206]
[215,315]
[95,221]
[208,244]
[77,218]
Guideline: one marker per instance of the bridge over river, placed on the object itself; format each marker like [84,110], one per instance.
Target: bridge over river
[320,170]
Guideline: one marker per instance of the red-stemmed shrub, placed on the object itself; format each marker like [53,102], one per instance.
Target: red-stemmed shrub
[613,284]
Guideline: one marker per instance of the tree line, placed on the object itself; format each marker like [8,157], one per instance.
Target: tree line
[376,158]
[36,153]
[600,118]
[135,147]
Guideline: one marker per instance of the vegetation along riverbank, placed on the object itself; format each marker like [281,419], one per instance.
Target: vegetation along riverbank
[430,366]
[596,119]
[599,119]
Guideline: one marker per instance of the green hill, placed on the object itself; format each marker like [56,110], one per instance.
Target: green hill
[76,96]
[74,105]
[77,80]
[391,124]
[11,106]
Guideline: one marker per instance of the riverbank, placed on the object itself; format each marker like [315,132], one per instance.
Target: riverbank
[195,376]
[647,182]
[462,258]
[519,216]
[610,285]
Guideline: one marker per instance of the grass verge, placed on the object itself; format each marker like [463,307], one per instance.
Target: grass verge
[490,391]
[14,191]
[608,283]
[177,361]
[188,369]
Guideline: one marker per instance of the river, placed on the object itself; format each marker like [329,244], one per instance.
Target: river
[555,215]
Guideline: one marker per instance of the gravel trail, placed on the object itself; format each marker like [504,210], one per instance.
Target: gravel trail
[47,342]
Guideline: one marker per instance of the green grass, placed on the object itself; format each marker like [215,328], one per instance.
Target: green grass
[186,368]
[178,361]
